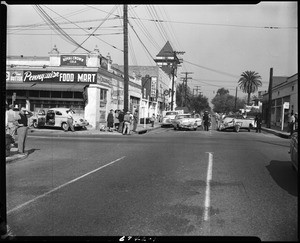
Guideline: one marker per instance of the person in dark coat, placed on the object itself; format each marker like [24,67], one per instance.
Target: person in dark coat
[206,120]
[121,121]
[258,122]
[110,120]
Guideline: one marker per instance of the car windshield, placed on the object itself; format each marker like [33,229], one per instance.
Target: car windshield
[171,113]
[183,116]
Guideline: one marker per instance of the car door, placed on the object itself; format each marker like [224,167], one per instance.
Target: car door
[50,118]
[41,118]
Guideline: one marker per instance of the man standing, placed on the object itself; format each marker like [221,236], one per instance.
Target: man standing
[110,120]
[121,121]
[206,121]
[70,120]
[258,122]
[135,120]
[127,122]
[22,131]
[12,121]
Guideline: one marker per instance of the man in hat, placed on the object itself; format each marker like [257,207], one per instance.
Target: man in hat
[12,120]
[70,120]
[110,120]
[22,130]
[127,122]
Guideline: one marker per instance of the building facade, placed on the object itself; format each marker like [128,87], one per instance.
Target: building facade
[86,83]
[156,85]
[284,100]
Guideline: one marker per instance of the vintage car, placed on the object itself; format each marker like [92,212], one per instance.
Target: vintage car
[186,121]
[168,118]
[236,122]
[294,149]
[57,117]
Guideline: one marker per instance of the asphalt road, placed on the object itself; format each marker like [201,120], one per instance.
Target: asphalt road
[162,183]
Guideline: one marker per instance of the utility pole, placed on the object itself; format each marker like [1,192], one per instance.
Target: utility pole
[270,99]
[185,86]
[235,99]
[126,79]
[198,89]
[174,68]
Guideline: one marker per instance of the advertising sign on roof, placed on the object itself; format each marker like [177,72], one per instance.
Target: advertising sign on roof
[59,77]
[14,76]
[73,60]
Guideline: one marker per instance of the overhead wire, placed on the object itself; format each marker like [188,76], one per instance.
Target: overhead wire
[112,10]
[142,27]
[53,25]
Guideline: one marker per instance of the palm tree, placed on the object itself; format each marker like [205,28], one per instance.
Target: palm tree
[249,83]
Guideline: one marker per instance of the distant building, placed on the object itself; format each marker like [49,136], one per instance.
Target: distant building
[284,99]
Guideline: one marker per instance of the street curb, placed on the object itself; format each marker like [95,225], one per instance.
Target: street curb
[16,158]
[279,134]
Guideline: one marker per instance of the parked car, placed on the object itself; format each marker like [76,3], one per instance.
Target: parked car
[168,118]
[236,122]
[57,117]
[294,149]
[185,121]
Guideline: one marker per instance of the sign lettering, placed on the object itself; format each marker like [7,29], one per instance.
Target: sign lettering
[73,60]
[59,77]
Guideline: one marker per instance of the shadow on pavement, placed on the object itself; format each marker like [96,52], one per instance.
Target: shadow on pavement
[30,151]
[284,175]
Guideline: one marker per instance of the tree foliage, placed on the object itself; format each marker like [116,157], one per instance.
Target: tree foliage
[224,102]
[197,103]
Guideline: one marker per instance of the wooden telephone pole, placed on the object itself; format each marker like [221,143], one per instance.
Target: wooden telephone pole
[126,79]
[185,86]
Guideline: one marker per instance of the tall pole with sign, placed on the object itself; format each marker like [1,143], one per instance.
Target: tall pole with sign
[126,79]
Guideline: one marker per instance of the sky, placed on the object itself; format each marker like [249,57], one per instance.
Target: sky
[219,42]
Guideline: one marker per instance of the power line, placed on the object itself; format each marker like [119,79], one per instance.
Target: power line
[221,25]
[213,70]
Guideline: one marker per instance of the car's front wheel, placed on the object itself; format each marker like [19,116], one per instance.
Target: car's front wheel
[64,126]
[35,124]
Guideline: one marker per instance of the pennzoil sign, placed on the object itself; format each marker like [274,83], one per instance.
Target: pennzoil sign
[59,77]
[73,60]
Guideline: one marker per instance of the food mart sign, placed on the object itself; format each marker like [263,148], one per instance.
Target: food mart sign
[59,77]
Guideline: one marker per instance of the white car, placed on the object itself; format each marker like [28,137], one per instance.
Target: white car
[236,123]
[186,121]
[168,118]
[57,117]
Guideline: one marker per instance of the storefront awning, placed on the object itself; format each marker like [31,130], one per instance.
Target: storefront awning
[45,86]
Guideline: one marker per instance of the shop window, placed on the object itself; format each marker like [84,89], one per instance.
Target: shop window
[67,94]
[78,95]
[56,94]
[103,94]
[21,93]
[44,93]
[33,93]
[9,93]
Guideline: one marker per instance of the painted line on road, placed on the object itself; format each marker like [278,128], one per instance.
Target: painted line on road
[207,191]
[63,185]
